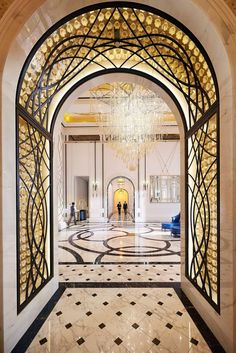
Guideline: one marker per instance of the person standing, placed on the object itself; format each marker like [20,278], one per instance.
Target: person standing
[125,207]
[119,208]
[72,214]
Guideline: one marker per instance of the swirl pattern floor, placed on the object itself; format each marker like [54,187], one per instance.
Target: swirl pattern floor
[119,292]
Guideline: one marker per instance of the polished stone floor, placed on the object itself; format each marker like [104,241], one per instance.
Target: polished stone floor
[120,242]
[137,320]
[125,320]
[120,273]
[119,292]
[111,320]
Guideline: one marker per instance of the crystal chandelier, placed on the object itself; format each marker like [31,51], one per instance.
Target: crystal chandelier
[132,120]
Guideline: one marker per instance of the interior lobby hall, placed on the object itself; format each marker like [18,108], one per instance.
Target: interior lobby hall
[117,173]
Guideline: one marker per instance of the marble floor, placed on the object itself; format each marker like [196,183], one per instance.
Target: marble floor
[111,320]
[119,273]
[118,252]
[119,292]
[122,217]
[119,242]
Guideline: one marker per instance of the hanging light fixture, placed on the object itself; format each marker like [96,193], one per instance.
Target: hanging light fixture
[120,183]
[132,122]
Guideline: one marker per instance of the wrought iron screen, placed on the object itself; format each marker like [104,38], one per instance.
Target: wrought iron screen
[202,209]
[34,243]
[117,37]
[132,38]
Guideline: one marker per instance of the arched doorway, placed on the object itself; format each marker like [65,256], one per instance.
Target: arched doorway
[175,59]
[120,189]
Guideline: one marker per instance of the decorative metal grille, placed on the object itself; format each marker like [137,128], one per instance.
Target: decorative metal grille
[34,226]
[136,39]
[60,177]
[202,197]
[117,37]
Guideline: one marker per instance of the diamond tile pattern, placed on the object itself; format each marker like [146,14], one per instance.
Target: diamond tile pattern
[194,341]
[179,313]
[73,274]
[80,341]
[118,341]
[149,313]
[43,340]
[156,341]
[145,327]
[94,319]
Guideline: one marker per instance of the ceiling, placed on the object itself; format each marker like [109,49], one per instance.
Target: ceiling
[83,116]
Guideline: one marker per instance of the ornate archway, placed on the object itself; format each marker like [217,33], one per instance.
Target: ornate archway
[93,41]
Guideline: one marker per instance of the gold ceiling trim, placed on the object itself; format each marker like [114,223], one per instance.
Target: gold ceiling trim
[94,118]
[80,118]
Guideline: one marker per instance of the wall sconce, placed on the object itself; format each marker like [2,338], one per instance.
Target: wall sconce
[145,185]
[95,185]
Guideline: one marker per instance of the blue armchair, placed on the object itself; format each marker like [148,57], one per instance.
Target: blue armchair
[173,226]
[175,231]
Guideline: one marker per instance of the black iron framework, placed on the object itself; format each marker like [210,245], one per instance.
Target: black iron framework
[34,243]
[145,41]
[123,36]
[203,240]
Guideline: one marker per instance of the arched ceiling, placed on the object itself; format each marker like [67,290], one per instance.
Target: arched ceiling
[5,4]
[110,38]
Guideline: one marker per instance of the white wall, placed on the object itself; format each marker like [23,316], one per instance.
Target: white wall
[164,159]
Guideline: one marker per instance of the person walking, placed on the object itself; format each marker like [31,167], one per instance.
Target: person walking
[119,208]
[72,214]
[125,207]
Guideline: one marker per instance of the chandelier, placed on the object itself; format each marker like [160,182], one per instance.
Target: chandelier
[131,120]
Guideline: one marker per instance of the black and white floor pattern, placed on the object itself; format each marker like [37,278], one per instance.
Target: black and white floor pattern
[119,293]
[121,252]
[125,320]
[119,273]
[112,243]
